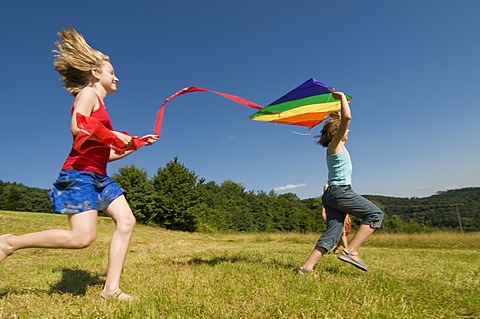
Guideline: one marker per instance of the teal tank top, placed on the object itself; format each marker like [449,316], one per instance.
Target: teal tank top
[339,168]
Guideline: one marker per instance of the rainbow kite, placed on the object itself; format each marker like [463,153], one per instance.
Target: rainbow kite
[307,105]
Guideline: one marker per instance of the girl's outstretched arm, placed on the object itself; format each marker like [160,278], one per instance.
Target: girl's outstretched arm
[336,145]
[152,138]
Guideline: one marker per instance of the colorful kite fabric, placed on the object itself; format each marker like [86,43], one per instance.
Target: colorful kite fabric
[307,105]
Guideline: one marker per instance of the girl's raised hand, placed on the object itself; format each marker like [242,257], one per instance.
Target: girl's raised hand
[337,95]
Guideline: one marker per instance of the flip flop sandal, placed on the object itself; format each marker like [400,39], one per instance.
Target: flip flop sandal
[119,295]
[304,272]
[360,264]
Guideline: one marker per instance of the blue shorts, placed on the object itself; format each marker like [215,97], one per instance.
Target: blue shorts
[77,191]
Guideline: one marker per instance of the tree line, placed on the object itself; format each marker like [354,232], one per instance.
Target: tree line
[176,198]
[21,198]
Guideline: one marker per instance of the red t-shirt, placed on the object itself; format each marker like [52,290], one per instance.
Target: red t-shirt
[96,158]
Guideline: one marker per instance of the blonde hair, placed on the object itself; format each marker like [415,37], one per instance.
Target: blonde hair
[329,129]
[75,60]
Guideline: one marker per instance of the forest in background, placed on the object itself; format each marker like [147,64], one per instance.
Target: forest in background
[176,198]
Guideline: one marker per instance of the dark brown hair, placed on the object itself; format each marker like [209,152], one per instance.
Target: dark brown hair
[329,129]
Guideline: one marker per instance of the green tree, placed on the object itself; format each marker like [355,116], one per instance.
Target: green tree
[18,197]
[176,189]
[212,213]
[235,203]
[314,220]
[139,192]
[261,206]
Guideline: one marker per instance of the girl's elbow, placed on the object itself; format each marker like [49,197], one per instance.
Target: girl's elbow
[74,131]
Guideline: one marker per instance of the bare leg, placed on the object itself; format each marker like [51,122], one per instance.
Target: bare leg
[83,231]
[313,259]
[343,240]
[360,236]
[124,220]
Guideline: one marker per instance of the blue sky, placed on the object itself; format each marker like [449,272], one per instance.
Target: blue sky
[412,67]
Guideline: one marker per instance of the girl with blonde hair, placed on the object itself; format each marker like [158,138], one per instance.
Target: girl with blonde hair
[339,197]
[83,186]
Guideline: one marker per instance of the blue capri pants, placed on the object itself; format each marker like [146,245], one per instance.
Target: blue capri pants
[340,200]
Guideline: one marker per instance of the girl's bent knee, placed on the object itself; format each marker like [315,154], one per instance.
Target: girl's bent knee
[376,220]
[131,221]
[80,242]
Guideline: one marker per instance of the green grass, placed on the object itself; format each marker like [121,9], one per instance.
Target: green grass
[183,275]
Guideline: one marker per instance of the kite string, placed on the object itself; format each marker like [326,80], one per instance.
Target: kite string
[295,132]
[303,134]
[292,131]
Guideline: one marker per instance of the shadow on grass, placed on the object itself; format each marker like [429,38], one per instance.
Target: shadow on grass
[76,281]
[217,260]
[214,261]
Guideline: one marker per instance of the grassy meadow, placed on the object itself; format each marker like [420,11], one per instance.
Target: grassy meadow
[190,275]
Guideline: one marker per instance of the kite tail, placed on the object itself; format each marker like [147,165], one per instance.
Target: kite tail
[158,121]
[91,127]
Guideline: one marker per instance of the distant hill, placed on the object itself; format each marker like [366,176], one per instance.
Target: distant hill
[449,209]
